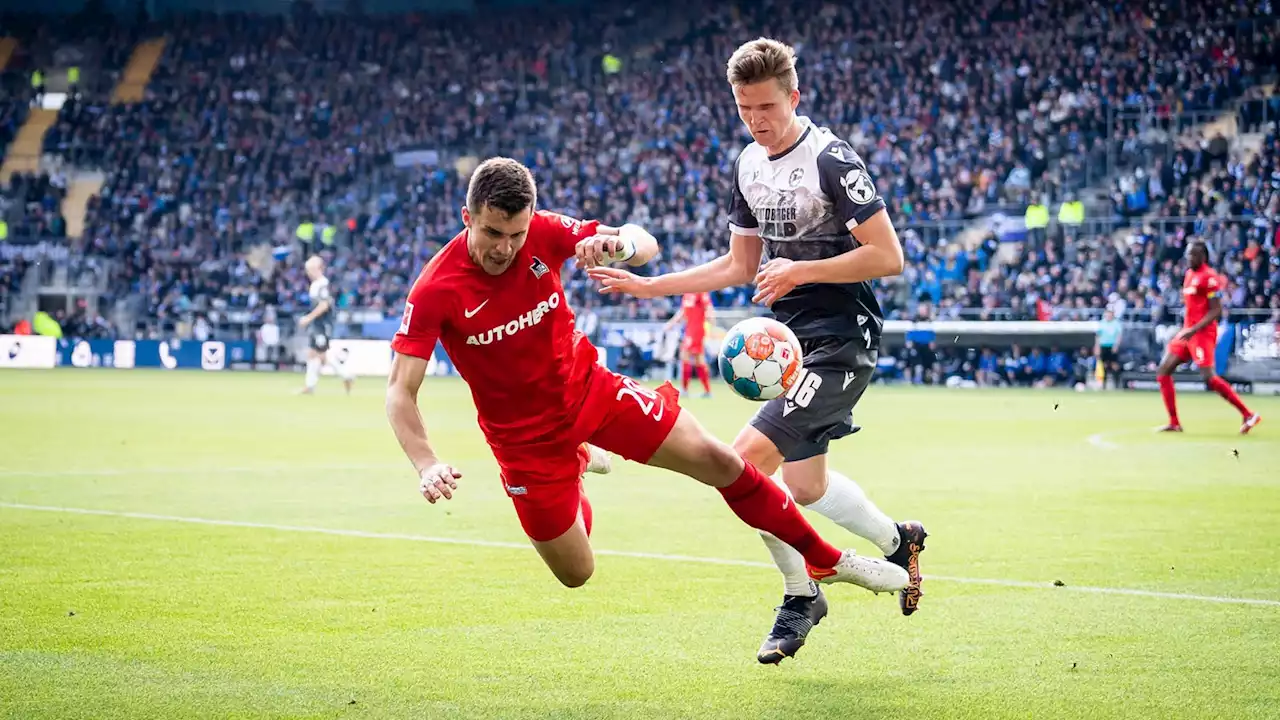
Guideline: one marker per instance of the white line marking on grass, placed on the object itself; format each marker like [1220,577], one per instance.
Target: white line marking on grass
[1103,440]
[620,553]
[1100,440]
[195,470]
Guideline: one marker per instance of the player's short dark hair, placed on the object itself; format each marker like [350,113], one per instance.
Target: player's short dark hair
[502,184]
[764,59]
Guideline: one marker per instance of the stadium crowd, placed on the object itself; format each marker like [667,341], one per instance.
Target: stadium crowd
[255,125]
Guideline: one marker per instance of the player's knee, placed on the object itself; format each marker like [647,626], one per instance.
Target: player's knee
[806,490]
[720,463]
[575,577]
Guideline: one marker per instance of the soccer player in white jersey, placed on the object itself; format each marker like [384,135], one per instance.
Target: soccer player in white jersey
[805,196]
[319,323]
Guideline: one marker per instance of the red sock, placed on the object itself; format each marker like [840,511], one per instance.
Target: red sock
[584,507]
[705,377]
[686,370]
[760,503]
[1170,401]
[1220,386]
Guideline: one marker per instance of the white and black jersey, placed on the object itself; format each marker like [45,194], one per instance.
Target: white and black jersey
[803,203]
[321,328]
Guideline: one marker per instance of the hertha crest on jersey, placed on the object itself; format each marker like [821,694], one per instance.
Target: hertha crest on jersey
[539,268]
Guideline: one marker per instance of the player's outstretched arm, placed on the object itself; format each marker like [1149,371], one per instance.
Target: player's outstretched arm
[436,479]
[737,267]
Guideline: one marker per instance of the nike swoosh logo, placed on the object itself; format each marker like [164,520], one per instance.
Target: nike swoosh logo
[471,313]
[786,503]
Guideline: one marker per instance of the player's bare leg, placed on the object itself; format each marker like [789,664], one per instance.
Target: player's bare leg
[569,556]
[1164,377]
[838,498]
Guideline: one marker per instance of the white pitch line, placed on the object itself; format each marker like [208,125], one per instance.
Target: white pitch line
[196,470]
[1100,440]
[620,553]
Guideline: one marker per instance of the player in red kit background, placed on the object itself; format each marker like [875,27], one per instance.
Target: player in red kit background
[696,311]
[1197,341]
[493,297]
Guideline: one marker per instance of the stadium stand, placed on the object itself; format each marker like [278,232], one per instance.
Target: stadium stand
[247,135]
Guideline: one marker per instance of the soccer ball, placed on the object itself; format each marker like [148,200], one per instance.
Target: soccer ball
[760,358]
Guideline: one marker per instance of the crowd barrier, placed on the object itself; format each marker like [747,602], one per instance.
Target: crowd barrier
[1247,355]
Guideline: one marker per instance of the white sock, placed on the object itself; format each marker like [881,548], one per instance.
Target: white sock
[313,373]
[847,505]
[789,560]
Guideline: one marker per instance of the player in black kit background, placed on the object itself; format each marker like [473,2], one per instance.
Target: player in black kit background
[804,196]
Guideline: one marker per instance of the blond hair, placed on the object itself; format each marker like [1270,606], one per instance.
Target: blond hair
[764,59]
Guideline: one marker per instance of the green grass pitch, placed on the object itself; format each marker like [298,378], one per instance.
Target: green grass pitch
[324,590]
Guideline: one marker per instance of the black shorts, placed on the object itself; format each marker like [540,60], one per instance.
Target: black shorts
[1107,355]
[319,339]
[819,406]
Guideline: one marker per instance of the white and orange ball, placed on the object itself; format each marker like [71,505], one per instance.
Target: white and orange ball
[760,358]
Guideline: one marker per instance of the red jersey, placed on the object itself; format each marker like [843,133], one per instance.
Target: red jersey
[1198,288]
[695,307]
[510,336]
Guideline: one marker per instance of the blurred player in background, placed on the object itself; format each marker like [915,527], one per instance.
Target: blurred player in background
[494,297]
[1197,341]
[1106,347]
[807,197]
[697,313]
[319,324]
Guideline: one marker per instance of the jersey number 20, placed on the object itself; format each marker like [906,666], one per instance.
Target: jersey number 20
[648,400]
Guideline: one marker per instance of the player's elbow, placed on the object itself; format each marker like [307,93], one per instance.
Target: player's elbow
[894,263]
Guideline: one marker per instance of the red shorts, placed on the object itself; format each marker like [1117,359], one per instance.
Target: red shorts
[693,344]
[544,481]
[1198,348]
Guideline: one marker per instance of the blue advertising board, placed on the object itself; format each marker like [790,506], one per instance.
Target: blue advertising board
[168,354]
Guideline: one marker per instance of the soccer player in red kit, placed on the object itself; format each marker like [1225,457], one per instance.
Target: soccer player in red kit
[696,311]
[494,298]
[1197,341]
